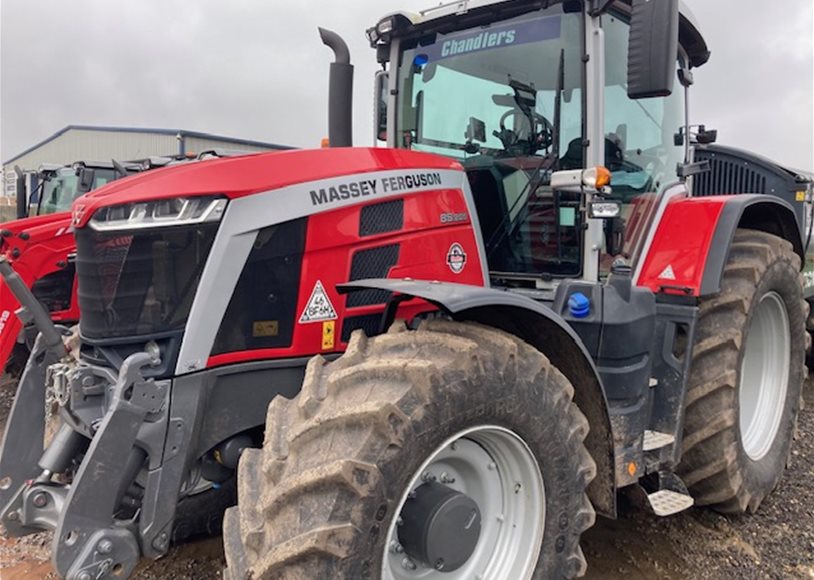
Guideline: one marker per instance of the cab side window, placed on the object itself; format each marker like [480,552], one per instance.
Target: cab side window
[640,149]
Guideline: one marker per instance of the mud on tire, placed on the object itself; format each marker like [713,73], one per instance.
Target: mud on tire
[317,501]
[715,464]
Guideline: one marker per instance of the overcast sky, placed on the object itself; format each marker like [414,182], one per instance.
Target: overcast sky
[256,69]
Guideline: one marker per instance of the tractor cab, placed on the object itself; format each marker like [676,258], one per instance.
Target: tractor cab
[62,186]
[518,93]
[55,187]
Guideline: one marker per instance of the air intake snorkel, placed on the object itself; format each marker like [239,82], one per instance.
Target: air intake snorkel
[340,91]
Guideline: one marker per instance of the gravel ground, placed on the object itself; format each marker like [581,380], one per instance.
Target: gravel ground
[777,542]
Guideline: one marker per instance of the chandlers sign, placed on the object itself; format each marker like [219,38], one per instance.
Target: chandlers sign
[368,187]
[470,41]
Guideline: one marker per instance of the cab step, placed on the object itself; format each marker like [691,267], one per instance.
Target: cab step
[655,440]
[666,502]
[662,493]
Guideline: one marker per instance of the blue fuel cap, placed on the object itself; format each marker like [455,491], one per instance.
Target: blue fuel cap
[579,305]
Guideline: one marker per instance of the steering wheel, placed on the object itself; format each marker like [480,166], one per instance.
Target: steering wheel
[540,136]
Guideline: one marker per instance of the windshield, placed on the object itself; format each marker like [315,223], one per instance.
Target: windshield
[506,100]
[61,188]
[464,93]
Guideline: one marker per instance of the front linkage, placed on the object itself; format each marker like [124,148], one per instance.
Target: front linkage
[78,484]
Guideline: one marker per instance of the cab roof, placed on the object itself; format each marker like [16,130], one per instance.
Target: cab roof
[690,35]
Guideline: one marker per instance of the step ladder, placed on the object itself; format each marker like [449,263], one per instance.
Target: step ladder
[671,495]
[654,440]
[666,502]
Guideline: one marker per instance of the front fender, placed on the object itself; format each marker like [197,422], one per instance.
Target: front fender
[542,328]
[692,240]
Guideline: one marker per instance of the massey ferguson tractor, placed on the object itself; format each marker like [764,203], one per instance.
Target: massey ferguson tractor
[433,360]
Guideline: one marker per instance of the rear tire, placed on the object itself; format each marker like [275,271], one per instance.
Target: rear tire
[322,499]
[746,376]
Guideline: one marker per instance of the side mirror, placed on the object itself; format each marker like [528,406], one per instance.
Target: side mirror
[475,130]
[706,136]
[85,182]
[652,48]
[380,95]
[22,194]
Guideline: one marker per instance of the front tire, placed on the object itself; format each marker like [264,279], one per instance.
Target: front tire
[746,376]
[455,411]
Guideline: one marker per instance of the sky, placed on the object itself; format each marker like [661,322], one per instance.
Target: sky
[256,69]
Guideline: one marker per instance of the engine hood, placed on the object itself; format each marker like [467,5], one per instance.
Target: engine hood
[236,177]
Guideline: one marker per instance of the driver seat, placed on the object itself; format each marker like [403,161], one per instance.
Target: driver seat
[614,157]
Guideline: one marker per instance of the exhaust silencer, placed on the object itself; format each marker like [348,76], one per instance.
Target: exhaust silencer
[340,91]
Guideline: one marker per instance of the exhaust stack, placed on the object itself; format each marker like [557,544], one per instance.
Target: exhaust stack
[340,91]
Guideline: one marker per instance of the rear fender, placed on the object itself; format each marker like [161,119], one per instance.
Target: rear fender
[691,245]
[545,330]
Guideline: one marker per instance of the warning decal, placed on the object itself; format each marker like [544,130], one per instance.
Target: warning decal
[667,273]
[319,306]
[328,334]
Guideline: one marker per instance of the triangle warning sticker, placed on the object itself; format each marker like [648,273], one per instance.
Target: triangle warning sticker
[667,273]
[319,306]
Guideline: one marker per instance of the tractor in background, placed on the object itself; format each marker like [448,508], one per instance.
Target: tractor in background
[40,247]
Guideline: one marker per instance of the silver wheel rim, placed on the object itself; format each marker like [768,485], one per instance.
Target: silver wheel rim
[493,466]
[764,376]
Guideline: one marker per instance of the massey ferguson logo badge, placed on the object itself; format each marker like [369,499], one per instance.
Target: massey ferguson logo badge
[319,306]
[456,258]
[366,187]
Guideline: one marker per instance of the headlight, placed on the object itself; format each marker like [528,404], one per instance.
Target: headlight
[160,213]
[385,26]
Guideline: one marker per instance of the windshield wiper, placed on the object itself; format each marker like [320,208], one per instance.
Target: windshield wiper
[553,158]
[555,145]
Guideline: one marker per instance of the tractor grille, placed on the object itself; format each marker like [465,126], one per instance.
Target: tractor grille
[733,172]
[141,282]
[372,263]
[728,177]
[381,218]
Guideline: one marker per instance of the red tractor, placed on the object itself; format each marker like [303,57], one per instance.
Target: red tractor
[40,248]
[437,359]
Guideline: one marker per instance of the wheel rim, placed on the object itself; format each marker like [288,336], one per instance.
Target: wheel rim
[764,376]
[495,468]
